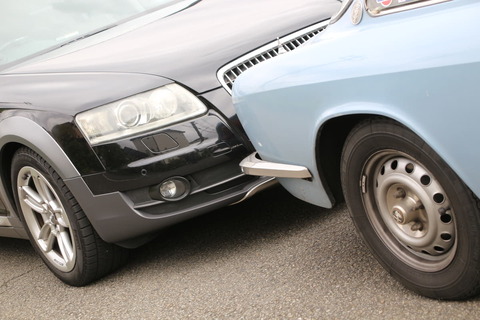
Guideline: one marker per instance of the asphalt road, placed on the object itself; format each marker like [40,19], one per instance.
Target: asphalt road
[272,257]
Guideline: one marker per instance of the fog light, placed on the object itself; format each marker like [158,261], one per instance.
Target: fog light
[174,188]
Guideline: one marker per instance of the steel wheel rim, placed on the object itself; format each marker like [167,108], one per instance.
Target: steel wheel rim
[46,219]
[409,210]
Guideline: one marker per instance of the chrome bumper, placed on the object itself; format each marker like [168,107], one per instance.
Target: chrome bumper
[254,166]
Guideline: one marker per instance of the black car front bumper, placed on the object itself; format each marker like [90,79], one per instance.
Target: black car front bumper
[123,203]
[117,219]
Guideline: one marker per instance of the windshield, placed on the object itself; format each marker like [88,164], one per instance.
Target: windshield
[30,26]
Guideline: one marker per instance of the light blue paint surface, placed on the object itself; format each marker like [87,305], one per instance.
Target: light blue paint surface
[420,67]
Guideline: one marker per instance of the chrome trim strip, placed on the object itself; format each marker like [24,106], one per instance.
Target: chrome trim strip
[254,166]
[263,52]
[157,202]
[218,183]
[262,186]
[405,7]
[4,222]
[341,12]
[148,204]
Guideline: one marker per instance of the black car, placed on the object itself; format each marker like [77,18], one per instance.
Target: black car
[116,118]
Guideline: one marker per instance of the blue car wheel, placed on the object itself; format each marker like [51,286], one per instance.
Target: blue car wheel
[416,215]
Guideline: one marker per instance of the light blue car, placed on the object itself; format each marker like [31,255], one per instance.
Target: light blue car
[382,109]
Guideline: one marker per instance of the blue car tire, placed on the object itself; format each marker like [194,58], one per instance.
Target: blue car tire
[418,218]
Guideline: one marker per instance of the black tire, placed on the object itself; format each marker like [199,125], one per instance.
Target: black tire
[58,228]
[418,218]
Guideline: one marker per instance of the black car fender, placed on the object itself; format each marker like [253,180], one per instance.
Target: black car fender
[23,131]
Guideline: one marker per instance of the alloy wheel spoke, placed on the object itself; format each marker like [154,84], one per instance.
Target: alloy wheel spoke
[50,242]
[65,245]
[33,199]
[59,213]
[43,189]
[46,237]
[44,233]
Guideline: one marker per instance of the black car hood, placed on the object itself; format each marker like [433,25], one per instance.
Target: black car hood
[188,47]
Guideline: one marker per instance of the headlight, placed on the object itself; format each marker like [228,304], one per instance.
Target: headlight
[139,113]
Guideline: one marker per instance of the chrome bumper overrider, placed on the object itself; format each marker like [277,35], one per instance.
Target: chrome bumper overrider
[254,166]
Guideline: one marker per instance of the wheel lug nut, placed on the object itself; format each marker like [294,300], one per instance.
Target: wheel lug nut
[398,216]
[419,207]
[417,226]
[400,193]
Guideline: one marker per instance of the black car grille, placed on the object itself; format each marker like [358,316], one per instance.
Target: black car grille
[228,73]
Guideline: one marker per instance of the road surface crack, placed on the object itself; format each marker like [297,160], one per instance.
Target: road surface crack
[5,284]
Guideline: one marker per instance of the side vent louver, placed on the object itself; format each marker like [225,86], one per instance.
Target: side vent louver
[228,73]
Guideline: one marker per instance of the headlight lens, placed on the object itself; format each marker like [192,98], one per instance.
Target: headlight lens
[139,113]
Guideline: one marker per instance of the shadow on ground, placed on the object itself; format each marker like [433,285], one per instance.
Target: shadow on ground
[265,217]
